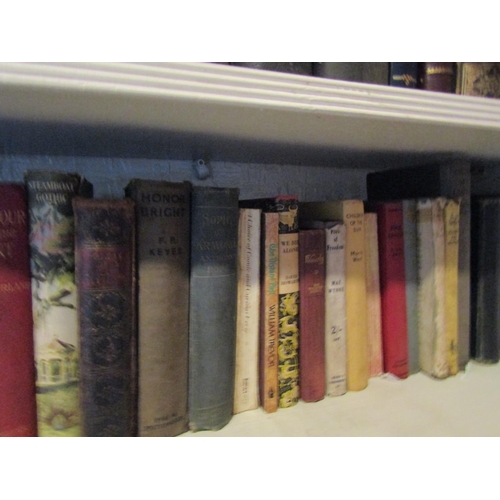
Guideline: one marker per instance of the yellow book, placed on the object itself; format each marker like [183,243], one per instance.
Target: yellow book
[452,219]
[351,212]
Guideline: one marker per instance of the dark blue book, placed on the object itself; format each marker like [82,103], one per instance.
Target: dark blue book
[403,74]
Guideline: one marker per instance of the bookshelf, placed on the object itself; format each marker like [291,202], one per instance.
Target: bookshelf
[262,132]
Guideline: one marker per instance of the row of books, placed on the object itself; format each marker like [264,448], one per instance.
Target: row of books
[466,78]
[179,306]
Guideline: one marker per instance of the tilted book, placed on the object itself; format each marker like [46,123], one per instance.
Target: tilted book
[212,308]
[392,286]
[17,374]
[312,314]
[104,248]
[162,272]
[269,313]
[288,271]
[351,212]
[449,176]
[55,325]
[485,278]
[373,303]
[246,381]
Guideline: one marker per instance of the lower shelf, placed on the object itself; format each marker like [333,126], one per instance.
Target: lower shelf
[465,405]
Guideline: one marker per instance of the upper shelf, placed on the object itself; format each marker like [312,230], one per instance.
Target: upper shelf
[227,112]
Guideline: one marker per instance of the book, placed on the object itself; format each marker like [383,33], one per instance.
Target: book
[438,76]
[212,307]
[392,286]
[269,313]
[163,212]
[55,324]
[480,79]
[104,272]
[448,176]
[351,212]
[246,381]
[373,303]
[17,374]
[312,314]
[300,68]
[403,74]
[411,282]
[485,290]
[363,72]
[433,351]
[288,288]
[451,230]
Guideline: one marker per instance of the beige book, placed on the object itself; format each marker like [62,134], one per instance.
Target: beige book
[246,386]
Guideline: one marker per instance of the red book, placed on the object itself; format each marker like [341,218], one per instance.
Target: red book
[17,375]
[312,314]
[393,287]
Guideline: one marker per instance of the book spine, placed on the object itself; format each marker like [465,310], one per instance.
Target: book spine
[373,303]
[364,72]
[104,247]
[163,225]
[392,288]
[300,68]
[480,79]
[246,388]
[269,313]
[17,376]
[312,314]
[438,76]
[403,74]
[55,323]
[335,310]
[212,310]
[451,223]
[411,286]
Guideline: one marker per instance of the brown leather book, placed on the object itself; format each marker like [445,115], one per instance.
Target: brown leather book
[104,263]
[438,76]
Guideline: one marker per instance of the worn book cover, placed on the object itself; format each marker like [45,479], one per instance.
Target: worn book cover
[104,249]
[17,374]
[246,380]
[480,79]
[212,308]
[162,272]
[55,325]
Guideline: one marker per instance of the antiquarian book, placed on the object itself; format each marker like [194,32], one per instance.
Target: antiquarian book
[312,314]
[451,230]
[269,313]
[392,286]
[288,271]
[411,281]
[17,375]
[478,79]
[431,291]
[212,308]
[373,304]
[104,255]
[246,380]
[403,74]
[55,325]
[438,76]
[162,272]
[449,177]
[351,212]
[300,68]
[485,280]
[363,72]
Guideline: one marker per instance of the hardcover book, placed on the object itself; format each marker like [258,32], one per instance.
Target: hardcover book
[55,325]
[104,248]
[312,314]
[246,383]
[212,308]
[351,212]
[17,374]
[300,68]
[373,303]
[363,72]
[403,74]
[438,76]
[480,79]
[162,272]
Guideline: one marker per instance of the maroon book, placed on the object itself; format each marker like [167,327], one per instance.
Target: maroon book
[312,314]
[438,76]
[17,374]
[392,287]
